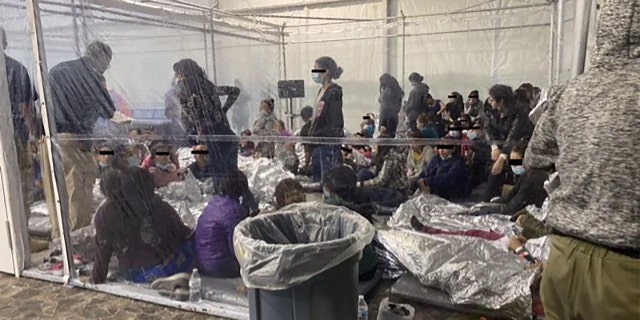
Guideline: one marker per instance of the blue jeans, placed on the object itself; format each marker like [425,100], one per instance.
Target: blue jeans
[325,158]
[183,260]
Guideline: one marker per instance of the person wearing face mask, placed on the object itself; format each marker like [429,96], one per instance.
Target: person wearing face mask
[478,157]
[368,126]
[446,175]
[390,103]
[328,121]
[162,167]
[417,103]
[474,107]
[528,190]
[420,154]
[200,168]
[265,126]
[453,110]
[511,125]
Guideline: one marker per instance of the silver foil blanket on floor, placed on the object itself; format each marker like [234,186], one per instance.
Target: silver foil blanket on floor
[264,175]
[442,214]
[472,271]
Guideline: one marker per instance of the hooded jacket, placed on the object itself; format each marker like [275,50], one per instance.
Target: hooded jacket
[214,236]
[417,103]
[591,133]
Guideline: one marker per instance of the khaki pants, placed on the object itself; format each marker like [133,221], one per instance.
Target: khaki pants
[80,174]
[533,228]
[584,281]
[25,163]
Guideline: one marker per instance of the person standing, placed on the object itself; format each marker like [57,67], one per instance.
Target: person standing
[417,103]
[593,270]
[21,96]
[203,114]
[328,121]
[390,103]
[80,97]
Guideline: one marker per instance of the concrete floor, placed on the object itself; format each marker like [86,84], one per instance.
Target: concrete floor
[34,299]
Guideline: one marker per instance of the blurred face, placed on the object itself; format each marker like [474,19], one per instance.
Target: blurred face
[465,123]
[102,64]
[515,156]
[494,103]
[445,152]
[430,101]
[264,107]
[320,76]
[162,156]
[416,145]
[473,101]
[200,156]
[105,156]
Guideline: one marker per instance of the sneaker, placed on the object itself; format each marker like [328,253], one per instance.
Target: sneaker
[178,280]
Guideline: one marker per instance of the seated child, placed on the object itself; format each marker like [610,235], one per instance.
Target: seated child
[390,171]
[143,231]
[420,154]
[336,185]
[161,167]
[528,190]
[265,126]
[214,233]
[247,148]
[200,168]
[446,175]
[288,191]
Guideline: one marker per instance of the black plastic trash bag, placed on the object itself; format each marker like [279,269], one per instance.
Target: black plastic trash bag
[281,250]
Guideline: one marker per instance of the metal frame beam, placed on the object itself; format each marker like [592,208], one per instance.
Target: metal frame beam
[59,186]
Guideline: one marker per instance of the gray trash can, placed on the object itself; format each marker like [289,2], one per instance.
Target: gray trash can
[301,263]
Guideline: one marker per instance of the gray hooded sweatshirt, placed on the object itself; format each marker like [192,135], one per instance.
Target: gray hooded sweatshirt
[591,133]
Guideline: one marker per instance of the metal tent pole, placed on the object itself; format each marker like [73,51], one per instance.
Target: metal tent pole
[59,186]
[206,48]
[213,50]
[404,38]
[580,40]
[559,40]
[552,42]
[10,183]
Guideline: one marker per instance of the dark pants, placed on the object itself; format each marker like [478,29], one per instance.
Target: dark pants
[325,158]
[391,125]
[495,183]
[381,196]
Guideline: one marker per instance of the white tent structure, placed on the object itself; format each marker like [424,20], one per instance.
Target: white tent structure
[458,45]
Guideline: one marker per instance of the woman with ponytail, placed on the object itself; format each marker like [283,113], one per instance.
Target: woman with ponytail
[143,231]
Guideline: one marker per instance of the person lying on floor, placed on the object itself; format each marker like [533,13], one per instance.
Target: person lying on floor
[214,232]
[338,183]
[528,190]
[144,232]
[390,171]
[446,175]
[162,167]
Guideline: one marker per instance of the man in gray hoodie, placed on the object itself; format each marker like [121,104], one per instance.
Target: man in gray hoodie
[593,271]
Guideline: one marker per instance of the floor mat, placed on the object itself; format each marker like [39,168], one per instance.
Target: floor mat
[408,287]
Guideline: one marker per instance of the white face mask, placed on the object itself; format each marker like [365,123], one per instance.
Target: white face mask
[472,135]
[518,170]
[318,77]
[326,194]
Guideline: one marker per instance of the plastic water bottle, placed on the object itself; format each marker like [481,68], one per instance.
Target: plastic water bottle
[195,287]
[363,309]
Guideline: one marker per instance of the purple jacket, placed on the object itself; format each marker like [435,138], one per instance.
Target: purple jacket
[214,237]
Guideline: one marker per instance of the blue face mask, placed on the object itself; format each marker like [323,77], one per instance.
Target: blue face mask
[454,134]
[472,135]
[518,170]
[317,77]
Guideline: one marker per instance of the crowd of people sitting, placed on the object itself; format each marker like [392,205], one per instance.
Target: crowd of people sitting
[464,156]
[455,148]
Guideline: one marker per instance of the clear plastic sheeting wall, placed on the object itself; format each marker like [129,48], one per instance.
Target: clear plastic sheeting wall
[488,44]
